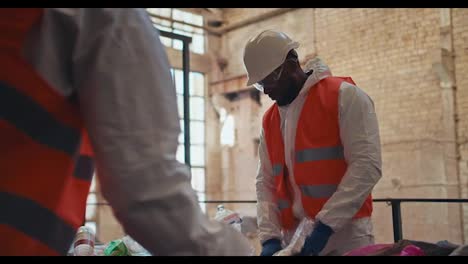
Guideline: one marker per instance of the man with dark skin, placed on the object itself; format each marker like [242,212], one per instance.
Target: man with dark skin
[319,151]
[285,89]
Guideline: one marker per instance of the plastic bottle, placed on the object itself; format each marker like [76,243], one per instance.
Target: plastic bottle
[229,217]
[83,245]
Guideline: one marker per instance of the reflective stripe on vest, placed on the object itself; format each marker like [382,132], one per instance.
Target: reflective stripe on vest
[315,154]
[277,169]
[29,126]
[319,191]
[35,221]
[283,204]
[29,117]
[33,118]
[277,172]
[84,168]
[43,189]
[85,165]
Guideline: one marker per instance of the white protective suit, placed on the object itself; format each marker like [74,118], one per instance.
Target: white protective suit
[113,60]
[360,138]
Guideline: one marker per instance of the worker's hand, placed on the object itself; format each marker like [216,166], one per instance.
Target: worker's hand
[270,247]
[316,241]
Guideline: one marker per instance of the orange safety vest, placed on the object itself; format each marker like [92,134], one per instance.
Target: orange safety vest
[44,182]
[319,160]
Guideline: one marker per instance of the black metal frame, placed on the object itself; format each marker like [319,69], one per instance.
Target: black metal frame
[396,211]
[394,203]
[186,96]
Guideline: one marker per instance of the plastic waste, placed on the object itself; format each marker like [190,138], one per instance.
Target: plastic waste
[229,217]
[294,247]
[134,248]
[460,251]
[116,248]
[369,250]
[83,245]
[411,250]
[386,250]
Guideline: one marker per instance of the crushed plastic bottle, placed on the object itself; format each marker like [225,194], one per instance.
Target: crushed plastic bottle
[229,217]
[83,245]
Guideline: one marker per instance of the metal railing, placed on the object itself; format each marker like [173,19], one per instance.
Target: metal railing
[395,203]
[396,210]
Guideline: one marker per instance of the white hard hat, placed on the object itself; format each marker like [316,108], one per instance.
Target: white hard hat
[266,52]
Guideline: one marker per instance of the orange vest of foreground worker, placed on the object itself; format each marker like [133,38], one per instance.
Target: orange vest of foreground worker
[319,160]
[44,181]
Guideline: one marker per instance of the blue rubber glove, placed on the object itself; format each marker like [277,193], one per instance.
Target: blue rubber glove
[270,247]
[316,241]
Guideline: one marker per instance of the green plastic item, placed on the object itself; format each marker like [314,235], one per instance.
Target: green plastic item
[116,248]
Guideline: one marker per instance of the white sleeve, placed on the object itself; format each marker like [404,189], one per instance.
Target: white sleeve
[359,134]
[127,98]
[267,210]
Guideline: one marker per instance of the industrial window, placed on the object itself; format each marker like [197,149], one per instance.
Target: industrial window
[182,23]
[188,24]
[197,127]
[197,141]
[227,128]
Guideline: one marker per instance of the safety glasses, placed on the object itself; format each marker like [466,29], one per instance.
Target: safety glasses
[272,77]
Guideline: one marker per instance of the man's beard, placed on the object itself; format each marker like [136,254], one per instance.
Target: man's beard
[291,93]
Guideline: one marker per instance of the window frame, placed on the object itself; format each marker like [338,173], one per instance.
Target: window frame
[181,27]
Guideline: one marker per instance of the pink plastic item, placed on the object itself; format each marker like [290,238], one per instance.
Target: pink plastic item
[370,250]
[411,251]
[367,250]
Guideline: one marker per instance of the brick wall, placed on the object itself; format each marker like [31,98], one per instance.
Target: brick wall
[390,54]
[236,15]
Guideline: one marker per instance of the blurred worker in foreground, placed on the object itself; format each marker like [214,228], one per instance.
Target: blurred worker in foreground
[65,71]
[319,151]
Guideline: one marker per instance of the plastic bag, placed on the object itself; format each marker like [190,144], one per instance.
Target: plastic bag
[369,250]
[386,250]
[116,248]
[411,250]
[234,219]
[304,229]
[134,248]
